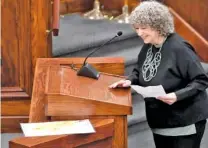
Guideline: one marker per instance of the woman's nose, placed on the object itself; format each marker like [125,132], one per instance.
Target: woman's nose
[139,32]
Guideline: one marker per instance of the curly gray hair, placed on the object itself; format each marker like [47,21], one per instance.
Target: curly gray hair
[155,15]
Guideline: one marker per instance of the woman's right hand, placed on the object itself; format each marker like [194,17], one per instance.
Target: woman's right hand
[121,83]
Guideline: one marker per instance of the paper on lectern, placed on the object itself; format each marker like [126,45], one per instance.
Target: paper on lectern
[150,91]
[57,128]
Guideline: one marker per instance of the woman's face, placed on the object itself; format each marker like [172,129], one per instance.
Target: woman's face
[148,34]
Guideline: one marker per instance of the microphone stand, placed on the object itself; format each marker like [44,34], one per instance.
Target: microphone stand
[88,70]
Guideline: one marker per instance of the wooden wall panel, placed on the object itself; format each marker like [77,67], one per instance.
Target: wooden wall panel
[24,51]
[112,5]
[24,39]
[195,12]
[9,44]
[71,6]
[16,68]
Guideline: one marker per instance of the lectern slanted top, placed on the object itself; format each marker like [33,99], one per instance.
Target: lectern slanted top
[71,95]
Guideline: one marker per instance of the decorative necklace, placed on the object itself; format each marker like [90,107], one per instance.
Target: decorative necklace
[149,68]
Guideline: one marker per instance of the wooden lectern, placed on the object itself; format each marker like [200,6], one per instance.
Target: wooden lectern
[59,94]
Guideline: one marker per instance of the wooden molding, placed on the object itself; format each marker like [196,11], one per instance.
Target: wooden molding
[11,93]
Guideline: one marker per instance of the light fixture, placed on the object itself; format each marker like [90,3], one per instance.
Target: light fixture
[124,17]
[95,13]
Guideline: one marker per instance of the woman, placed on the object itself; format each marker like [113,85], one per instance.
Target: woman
[178,118]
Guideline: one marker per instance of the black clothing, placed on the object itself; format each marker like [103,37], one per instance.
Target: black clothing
[180,71]
[190,141]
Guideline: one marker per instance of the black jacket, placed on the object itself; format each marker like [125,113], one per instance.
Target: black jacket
[180,71]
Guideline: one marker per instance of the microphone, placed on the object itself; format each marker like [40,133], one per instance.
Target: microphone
[88,70]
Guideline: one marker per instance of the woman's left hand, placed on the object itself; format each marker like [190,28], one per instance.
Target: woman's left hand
[168,98]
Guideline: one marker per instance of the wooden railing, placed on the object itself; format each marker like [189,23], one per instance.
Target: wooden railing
[191,35]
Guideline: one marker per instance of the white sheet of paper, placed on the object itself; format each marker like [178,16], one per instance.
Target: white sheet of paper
[57,128]
[150,91]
